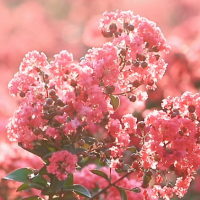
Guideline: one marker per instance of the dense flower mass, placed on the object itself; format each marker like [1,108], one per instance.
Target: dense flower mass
[68,113]
[62,163]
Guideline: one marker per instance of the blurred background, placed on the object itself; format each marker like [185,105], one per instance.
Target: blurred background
[50,26]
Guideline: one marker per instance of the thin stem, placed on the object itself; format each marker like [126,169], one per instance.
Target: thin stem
[110,185]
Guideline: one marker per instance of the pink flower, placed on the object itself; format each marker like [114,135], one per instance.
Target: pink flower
[62,163]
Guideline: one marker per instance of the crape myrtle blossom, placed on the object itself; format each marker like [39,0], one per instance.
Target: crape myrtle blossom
[62,163]
[173,143]
[71,96]
[70,106]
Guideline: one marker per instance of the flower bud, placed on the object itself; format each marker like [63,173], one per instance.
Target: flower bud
[113,27]
[191,108]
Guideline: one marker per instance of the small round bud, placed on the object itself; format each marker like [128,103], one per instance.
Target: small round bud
[59,102]
[22,94]
[81,142]
[46,106]
[136,83]
[157,56]
[175,113]
[132,98]
[130,27]
[125,25]
[191,108]
[110,89]
[113,27]
[73,83]
[141,124]
[107,34]
[49,101]
[150,83]
[155,49]
[136,64]
[117,33]
[122,52]
[52,92]
[55,97]
[143,65]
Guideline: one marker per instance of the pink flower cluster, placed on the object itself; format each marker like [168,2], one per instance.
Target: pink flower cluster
[65,102]
[69,96]
[173,142]
[62,163]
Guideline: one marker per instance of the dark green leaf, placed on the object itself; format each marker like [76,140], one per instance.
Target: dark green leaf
[80,150]
[70,148]
[114,101]
[38,150]
[48,155]
[22,187]
[57,185]
[43,171]
[36,186]
[20,175]
[40,180]
[69,196]
[122,193]
[70,180]
[33,198]
[100,173]
[48,191]
[78,189]
[90,140]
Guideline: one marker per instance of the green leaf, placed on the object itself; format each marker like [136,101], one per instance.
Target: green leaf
[132,149]
[122,193]
[43,171]
[90,140]
[48,191]
[114,101]
[70,148]
[146,179]
[33,198]
[69,196]
[78,189]
[80,150]
[20,175]
[24,186]
[100,173]
[38,150]
[47,155]
[40,180]
[57,185]
[36,186]
[70,180]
